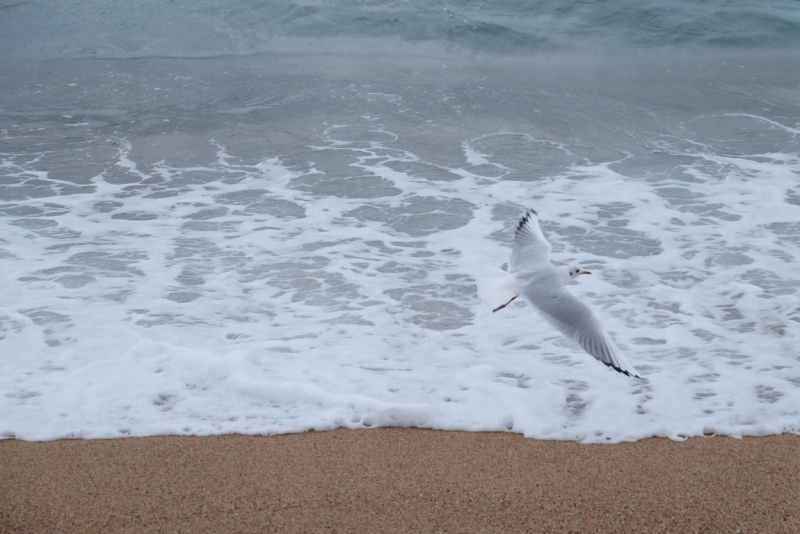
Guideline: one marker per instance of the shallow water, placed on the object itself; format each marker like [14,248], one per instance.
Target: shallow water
[282,242]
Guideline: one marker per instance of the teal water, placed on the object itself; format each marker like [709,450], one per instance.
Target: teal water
[40,29]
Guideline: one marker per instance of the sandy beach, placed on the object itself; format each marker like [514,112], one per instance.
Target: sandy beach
[399,480]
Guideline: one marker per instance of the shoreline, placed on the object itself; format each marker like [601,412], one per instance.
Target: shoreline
[399,479]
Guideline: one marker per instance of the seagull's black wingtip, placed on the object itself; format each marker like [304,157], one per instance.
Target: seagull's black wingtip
[617,369]
[526,217]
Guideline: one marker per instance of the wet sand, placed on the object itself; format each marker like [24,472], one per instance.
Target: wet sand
[399,480]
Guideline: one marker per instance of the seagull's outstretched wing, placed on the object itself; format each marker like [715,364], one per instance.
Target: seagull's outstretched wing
[575,320]
[530,246]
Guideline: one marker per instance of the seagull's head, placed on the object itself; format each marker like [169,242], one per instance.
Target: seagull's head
[571,273]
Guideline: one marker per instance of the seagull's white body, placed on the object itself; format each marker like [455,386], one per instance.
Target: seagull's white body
[543,285]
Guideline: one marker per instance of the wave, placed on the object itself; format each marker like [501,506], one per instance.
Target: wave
[116,29]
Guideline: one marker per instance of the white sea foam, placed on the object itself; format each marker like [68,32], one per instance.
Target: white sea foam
[259,295]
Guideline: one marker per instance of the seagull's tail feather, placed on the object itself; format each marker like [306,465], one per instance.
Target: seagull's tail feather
[497,292]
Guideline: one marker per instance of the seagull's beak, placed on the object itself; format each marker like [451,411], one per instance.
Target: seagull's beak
[585,272]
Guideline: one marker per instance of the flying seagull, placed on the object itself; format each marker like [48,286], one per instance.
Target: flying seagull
[543,285]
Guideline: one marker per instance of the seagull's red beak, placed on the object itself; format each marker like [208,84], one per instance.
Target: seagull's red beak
[585,272]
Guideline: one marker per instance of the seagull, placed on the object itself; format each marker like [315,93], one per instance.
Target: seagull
[543,285]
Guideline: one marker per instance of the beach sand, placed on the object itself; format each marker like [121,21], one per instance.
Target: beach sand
[399,480]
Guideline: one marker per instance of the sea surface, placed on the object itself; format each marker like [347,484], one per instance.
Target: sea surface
[270,217]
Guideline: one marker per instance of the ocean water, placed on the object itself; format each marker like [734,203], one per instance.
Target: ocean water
[272,217]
